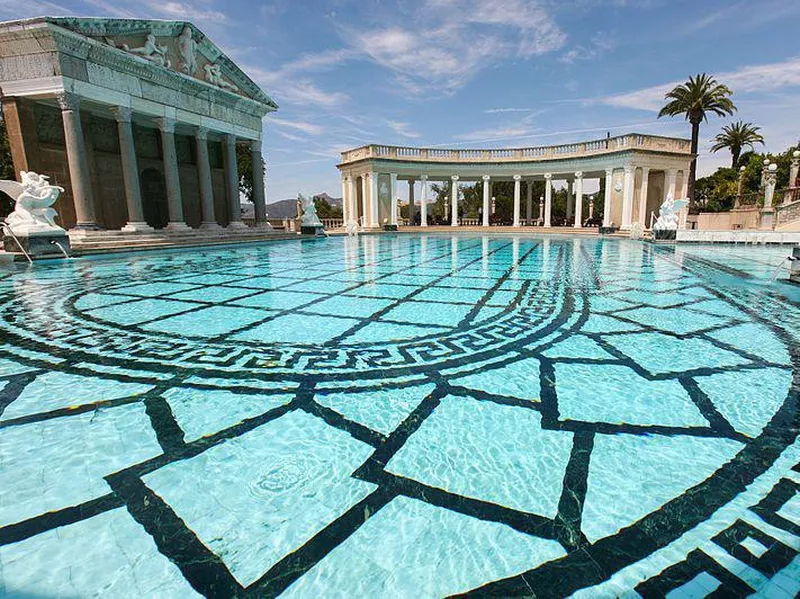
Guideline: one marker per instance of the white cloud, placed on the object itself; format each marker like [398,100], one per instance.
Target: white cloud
[442,44]
[599,44]
[758,78]
[504,110]
[305,127]
[402,129]
[187,12]
[495,134]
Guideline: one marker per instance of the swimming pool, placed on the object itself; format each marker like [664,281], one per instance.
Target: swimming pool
[401,415]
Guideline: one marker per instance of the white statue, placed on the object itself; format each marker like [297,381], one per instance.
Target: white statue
[636,231]
[32,212]
[187,48]
[352,228]
[151,51]
[214,77]
[668,214]
[310,218]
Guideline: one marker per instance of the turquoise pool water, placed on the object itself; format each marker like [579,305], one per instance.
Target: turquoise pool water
[403,415]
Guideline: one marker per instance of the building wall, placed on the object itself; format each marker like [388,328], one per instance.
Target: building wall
[36,134]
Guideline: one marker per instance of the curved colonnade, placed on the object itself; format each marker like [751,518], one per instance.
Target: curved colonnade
[639,172]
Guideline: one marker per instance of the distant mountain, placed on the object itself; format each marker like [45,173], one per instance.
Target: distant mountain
[288,208]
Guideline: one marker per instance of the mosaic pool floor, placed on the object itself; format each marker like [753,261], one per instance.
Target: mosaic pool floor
[394,416]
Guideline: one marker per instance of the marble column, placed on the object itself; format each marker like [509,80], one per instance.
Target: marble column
[204,178]
[607,197]
[454,202]
[393,199]
[517,193]
[548,199]
[412,205]
[130,172]
[423,201]
[487,181]
[365,200]
[345,212]
[672,176]
[685,185]
[643,196]
[352,195]
[171,175]
[578,200]
[259,192]
[627,197]
[373,200]
[80,175]
[232,183]
[529,206]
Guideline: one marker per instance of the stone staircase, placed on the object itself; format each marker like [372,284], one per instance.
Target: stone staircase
[93,242]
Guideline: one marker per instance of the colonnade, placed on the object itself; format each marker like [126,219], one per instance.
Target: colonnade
[364,207]
[81,180]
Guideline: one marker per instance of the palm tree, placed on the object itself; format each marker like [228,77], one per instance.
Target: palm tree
[735,137]
[695,98]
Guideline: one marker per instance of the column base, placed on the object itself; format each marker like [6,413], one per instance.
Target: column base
[87,227]
[210,226]
[237,224]
[137,227]
[177,227]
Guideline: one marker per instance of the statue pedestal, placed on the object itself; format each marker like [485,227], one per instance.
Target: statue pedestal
[389,227]
[608,230]
[794,265]
[318,230]
[38,245]
[665,234]
[767,218]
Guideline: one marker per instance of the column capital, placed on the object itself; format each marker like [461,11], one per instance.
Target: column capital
[123,114]
[548,176]
[255,145]
[579,175]
[68,101]
[230,138]
[393,176]
[629,168]
[423,177]
[486,177]
[166,124]
[454,177]
[201,133]
[645,169]
[609,172]
[672,172]
[517,177]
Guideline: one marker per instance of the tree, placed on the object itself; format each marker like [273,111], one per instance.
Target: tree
[695,98]
[735,137]
[245,159]
[324,208]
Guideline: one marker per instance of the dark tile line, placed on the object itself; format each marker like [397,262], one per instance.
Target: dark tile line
[14,533]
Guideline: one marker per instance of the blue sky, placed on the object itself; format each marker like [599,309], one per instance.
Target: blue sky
[482,73]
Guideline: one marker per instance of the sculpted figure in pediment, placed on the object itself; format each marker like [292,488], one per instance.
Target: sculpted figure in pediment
[151,51]
[187,47]
[214,77]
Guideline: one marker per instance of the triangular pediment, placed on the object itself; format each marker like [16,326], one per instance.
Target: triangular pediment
[178,46]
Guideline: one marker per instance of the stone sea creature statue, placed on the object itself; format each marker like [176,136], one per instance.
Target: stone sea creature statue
[310,218]
[151,51]
[187,48]
[33,198]
[668,214]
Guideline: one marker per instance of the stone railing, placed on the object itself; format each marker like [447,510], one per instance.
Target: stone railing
[653,143]
[332,223]
[787,213]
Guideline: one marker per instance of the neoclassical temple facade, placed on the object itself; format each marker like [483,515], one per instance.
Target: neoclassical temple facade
[639,172]
[137,120]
